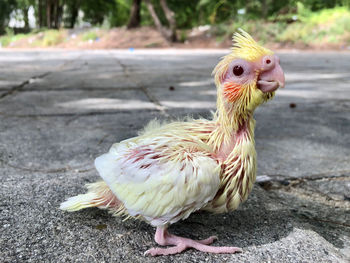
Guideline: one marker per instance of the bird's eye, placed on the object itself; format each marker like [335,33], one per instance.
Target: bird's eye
[238,70]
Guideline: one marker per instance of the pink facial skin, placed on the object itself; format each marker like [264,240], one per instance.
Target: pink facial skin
[266,71]
[248,75]
[271,76]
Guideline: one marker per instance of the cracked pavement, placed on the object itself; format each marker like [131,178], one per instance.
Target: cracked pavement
[61,109]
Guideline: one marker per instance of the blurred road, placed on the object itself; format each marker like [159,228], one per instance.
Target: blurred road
[61,109]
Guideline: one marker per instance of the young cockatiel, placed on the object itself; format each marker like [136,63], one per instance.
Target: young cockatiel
[171,170]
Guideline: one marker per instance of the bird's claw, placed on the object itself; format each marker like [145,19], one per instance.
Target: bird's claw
[157,251]
[148,252]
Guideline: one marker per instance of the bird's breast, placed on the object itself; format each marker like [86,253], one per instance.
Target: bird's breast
[238,174]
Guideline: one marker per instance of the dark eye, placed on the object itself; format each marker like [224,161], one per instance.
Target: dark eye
[238,70]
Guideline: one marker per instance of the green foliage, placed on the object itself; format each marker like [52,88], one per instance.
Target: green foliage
[95,11]
[186,13]
[71,12]
[211,12]
[119,13]
[327,25]
[311,28]
[305,22]
[24,4]
[10,37]
[6,8]
[183,36]
[53,37]
[90,35]
[146,19]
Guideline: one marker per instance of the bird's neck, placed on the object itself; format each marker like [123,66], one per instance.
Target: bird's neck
[232,126]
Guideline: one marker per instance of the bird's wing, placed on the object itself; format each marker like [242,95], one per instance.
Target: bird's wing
[160,184]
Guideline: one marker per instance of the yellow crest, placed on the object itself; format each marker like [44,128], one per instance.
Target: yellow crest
[245,47]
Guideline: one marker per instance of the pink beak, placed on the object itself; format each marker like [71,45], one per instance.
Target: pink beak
[271,77]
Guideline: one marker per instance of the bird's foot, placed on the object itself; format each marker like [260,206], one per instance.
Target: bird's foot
[164,238]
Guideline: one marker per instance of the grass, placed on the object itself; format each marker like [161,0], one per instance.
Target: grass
[10,37]
[51,38]
[90,35]
[328,26]
[44,38]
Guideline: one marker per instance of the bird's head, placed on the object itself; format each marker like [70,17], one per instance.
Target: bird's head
[248,76]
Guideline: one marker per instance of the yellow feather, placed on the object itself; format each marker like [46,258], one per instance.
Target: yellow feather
[188,172]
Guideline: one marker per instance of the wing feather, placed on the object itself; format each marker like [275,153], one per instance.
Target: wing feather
[161,184]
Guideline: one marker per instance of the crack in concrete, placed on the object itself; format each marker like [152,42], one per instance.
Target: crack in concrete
[71,119]
[150,97]
[148,94]
[102,139]
[124,67]
[155,101]
[21,86]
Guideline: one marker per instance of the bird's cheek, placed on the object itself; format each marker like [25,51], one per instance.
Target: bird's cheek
[232,91]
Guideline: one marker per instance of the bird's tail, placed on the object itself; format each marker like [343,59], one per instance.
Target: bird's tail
[98,195]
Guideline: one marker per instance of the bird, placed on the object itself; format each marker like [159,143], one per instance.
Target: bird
[171,170]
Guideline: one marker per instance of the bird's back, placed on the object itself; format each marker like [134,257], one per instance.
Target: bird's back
[165,173]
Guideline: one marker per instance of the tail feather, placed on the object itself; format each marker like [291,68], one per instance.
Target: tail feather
[98,195]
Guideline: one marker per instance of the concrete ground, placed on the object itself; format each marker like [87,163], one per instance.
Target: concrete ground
[61,109]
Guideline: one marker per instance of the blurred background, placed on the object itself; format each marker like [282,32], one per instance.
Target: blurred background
[320,24]
[77,76]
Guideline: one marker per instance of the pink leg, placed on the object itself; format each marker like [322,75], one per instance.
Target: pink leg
[164,238]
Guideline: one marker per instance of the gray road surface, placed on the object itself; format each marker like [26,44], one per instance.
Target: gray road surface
[61,109]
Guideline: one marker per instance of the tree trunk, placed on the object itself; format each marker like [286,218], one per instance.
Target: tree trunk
[170,16]
[73,18]
[135,17]
[74,14]
[40,14]
[154,15]
[48,14]
[264,8]
[59,15]
[25,18]
[57,10]
[164,31]
[55,13]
